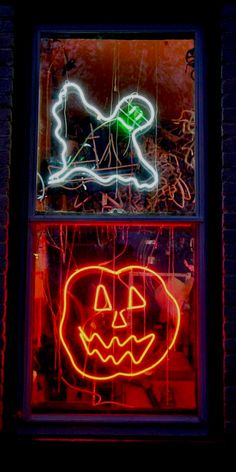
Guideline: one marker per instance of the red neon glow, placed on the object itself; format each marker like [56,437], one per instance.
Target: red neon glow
[136,300]
[146,341]
[99,352]
[102,301]
[119,320]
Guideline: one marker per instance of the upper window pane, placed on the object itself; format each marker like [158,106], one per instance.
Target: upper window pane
[116,126]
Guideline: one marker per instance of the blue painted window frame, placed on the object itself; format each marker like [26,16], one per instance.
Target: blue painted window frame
[100,425]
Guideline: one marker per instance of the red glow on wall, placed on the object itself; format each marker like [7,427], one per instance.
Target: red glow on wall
[109,326]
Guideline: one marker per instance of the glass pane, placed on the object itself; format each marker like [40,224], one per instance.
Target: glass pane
[114,319]
[116,126]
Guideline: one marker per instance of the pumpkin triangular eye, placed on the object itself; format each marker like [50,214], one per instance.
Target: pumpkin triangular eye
[136,300]
[102,301]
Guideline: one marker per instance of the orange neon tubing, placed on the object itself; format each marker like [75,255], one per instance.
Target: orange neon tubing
[114,340]
[122,322]
[108,306]
[127,353]
[131,306]
[130,302]
[101,289]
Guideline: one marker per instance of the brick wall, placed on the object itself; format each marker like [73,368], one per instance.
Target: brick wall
[228,75]
[6,86]
[228,189]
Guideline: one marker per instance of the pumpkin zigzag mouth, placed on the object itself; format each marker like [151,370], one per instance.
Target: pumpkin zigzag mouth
[94,344]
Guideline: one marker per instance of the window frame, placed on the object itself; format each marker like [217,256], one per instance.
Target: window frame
[102,425]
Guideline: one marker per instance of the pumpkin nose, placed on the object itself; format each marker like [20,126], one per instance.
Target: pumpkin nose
[118,320]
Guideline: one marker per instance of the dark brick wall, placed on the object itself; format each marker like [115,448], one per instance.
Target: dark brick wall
[6,87]
[228,89]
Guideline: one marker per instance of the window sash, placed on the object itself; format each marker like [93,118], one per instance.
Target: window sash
[162,424]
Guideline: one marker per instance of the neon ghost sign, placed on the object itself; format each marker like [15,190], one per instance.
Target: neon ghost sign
[134,113]
[109,326]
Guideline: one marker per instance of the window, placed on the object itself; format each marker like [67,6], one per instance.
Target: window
[115,318]
[108,107]
[116,228]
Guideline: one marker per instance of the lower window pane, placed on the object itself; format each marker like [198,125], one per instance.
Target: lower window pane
[114,319]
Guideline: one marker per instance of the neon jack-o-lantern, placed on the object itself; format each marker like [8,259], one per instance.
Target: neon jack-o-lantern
[110,325]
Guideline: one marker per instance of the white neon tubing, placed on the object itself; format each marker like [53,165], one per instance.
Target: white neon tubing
[41,197]
[64,173]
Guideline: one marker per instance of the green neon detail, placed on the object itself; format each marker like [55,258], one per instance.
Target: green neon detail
[124,124]
[128,122]
[140,115]
[131,111]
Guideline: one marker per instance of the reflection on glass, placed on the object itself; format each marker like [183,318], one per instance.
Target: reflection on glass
[116,126]
[114,318]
